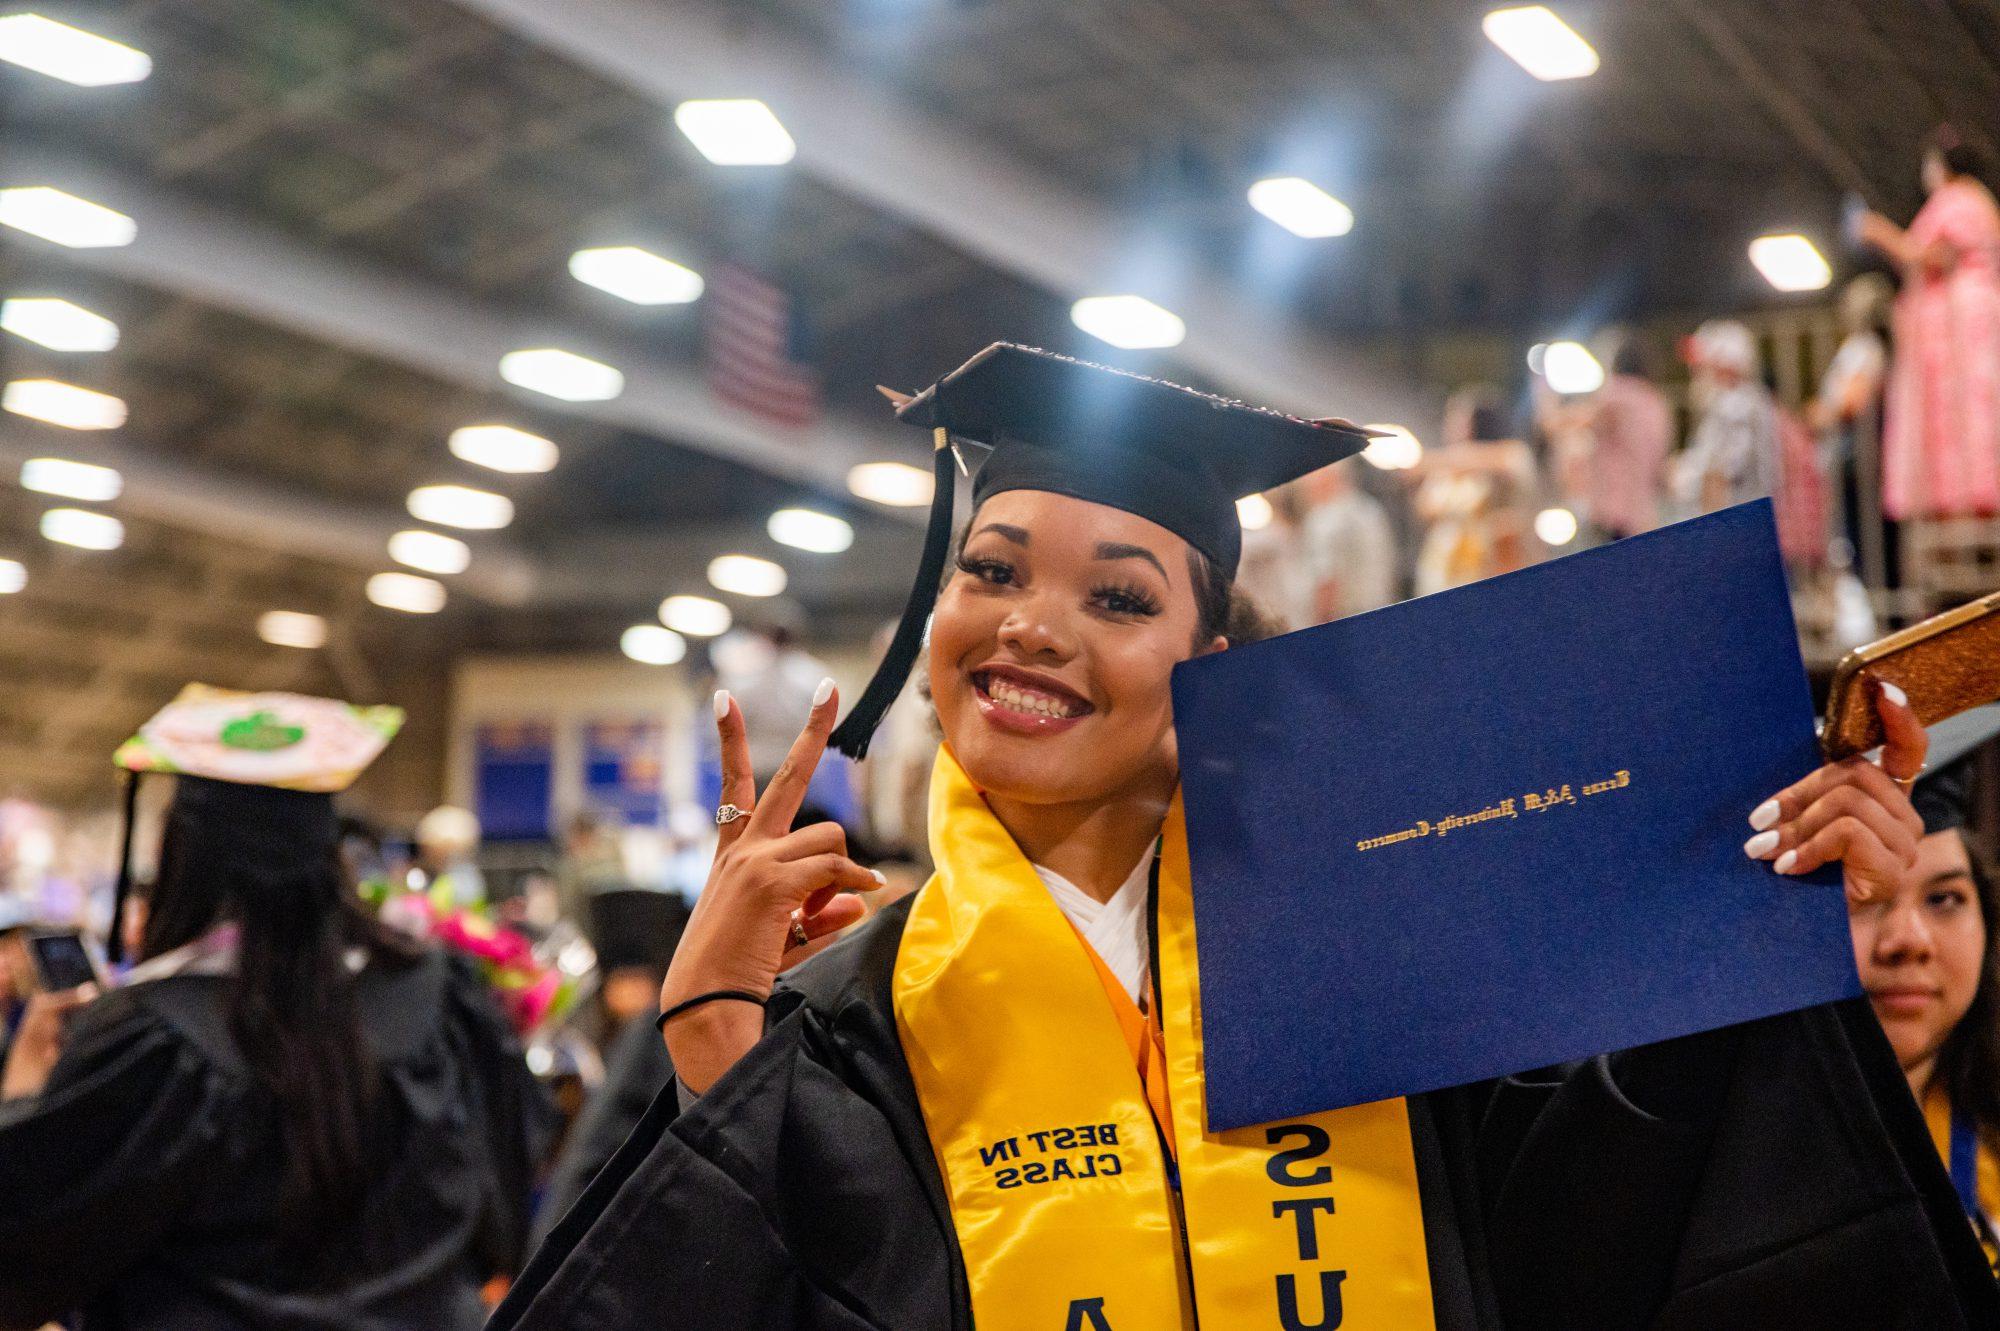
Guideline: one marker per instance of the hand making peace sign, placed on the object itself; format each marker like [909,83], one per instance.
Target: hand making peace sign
[771,894]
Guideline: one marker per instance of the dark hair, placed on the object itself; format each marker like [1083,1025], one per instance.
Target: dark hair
[291,1005]
[1222,608]
[1630,358]
[1968,1063]
[1959,157]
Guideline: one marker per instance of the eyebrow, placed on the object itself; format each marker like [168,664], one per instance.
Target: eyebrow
[1119,550]
[1948,875]
[1018,535]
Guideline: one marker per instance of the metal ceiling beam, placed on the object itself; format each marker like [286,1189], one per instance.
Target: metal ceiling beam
[254,270]
[859,139]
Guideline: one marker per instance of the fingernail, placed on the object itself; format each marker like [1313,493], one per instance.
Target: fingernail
[1894,694]
[1757,847]
[1764,815]
[823,692]
[721,704]
[879,879]
[1786,861]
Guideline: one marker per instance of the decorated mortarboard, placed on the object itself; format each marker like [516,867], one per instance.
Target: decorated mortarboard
[1943,795]
[1170,454]
[265,765]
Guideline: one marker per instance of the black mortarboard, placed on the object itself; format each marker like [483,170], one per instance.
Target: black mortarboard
[257,773]
[1170,454]
[1943,796]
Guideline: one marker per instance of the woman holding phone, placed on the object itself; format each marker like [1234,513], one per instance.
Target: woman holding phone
[984,1108]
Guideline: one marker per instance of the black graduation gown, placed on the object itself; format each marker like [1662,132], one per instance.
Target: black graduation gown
[1773,1175]
[141,1187]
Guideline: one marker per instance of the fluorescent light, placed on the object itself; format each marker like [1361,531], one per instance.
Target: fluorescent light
[42,210]
[745,575]
[13,576]
[896,484]
[69,54]
[1540,43]
[739,131]
[1570,368]
[1556,526]
[291,628]
[1535,354]
[1253,512]
[562,374]
[83,529]
[430,551]
[1395,448]
[461,506]
[1790,263]
[72,480]
[406,592]
[58,403]
[1301,207]
[652,645]
[1131,322]
[804,529]
[503,448]
[57,324]
[696,616]
[637,275]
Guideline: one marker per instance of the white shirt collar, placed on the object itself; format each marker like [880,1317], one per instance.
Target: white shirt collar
[1115,929]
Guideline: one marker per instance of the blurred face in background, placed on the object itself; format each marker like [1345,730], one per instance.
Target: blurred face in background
[1051,647]
[1920,952]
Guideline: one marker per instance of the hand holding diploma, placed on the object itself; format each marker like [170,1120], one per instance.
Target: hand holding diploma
[1853,811]
[771,895]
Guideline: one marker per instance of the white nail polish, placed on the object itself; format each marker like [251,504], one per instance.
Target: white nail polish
[721,704]
[1757,847]
[823,692]
[877,875]
[1894,694]
[1786,861]
[1764,815]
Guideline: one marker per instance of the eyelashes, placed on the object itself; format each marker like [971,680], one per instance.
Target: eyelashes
[1123,599]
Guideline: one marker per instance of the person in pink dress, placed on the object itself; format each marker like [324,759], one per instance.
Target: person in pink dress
[1941,445]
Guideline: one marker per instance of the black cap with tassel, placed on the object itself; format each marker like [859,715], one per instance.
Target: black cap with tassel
[1169,454]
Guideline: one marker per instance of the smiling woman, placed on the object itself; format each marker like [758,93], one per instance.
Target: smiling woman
[986,1107]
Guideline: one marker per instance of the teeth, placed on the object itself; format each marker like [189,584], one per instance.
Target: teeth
[1022,700]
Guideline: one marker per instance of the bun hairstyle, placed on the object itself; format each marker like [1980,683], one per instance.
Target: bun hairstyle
[1222,608]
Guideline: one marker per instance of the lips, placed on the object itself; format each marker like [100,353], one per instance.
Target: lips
[1026,702]
[1903,1000]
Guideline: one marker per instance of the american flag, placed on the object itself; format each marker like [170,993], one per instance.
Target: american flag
[751,349]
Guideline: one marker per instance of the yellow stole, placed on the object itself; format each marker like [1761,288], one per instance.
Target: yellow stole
[1070,1212]
[1986,1170]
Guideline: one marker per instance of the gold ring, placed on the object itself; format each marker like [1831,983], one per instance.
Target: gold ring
[799,935]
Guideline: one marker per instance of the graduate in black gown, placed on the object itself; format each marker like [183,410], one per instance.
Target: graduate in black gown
[984,1108]
[284,1117]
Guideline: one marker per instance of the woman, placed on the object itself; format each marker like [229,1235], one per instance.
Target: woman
[1941,445]
[1477,496]
[984,1107]
[283,1118]
[1925,953]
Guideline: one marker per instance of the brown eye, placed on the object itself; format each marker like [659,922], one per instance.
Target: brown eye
[995,571]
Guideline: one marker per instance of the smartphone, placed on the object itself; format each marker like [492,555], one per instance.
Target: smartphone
[61,960]
[1946,664]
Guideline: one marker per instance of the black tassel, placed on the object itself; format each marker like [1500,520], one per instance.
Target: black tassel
[114,946]
[852,735]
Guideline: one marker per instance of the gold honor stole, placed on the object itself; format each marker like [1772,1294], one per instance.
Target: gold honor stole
[1063,1196]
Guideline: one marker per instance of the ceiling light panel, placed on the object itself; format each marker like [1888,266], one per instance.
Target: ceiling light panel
[805,529]
[292,628]
[57,324]
[1131,322]
[1790,263]
[461,506]
[430,552]
[13,576]
[57,403]
[650,644]
[739,131]
[560,374]
[72,480]
[746,575]
[82,528]
[504,448]
[1301,207]
[1537,40]
[70,54]
[637,275]
[79,224]
[896,484]
[406,592]
[695,616]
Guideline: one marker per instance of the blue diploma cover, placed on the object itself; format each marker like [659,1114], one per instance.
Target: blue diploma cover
[1502,826]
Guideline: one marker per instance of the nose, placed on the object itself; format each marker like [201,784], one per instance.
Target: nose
[1904,937]
[1035,627]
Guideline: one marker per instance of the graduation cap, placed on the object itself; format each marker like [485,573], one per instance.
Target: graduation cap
[1943,796]
[1165,452]
[259,768]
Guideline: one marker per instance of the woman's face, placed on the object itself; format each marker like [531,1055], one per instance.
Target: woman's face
[1051,647]
[1921,949]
